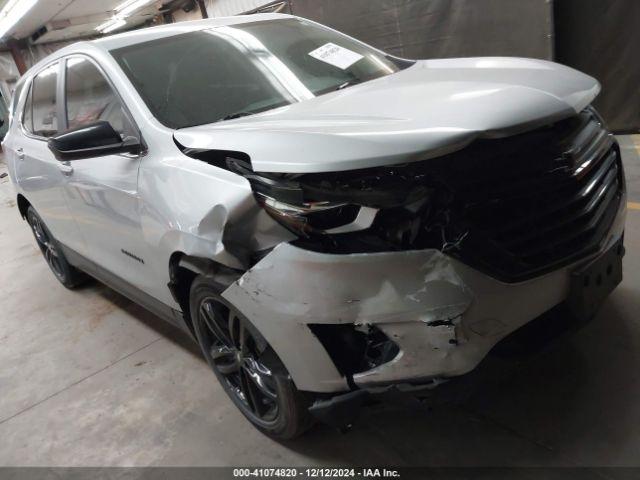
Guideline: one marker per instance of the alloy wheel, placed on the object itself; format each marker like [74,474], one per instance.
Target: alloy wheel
[238,356]
[47,246]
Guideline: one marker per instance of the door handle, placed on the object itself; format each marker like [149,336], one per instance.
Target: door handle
[65,168]
[20,153]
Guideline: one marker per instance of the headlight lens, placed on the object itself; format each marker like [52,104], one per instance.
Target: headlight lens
[309,217]
[335,203]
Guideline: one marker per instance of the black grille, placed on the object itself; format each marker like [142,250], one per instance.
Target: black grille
[537,201]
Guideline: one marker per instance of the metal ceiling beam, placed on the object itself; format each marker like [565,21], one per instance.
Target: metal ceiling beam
[203,8]
[16,54]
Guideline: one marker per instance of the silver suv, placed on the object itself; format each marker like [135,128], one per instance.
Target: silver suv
[326,220]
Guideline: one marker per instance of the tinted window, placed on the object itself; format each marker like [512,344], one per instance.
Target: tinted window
[90,98]
[27,118]
[40,116]
[219,73]
[15,99]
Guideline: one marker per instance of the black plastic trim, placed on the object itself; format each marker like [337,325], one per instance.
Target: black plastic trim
[123,287]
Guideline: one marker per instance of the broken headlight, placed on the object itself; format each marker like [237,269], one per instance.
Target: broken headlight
[312,217]
[377,209]
[287,199]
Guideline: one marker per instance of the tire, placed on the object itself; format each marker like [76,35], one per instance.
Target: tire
[246,366]
[67,275]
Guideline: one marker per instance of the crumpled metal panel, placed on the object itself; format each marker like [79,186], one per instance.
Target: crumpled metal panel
[215,211]
[445,316]
[291,288]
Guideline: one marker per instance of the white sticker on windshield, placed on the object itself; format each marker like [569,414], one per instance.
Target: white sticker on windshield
[336,55]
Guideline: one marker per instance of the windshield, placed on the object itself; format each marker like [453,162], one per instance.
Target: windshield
[230,71]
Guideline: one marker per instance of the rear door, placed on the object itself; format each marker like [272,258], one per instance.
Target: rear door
[102,192]
[38,173]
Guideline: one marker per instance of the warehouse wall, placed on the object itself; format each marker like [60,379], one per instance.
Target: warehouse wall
[441,28]
[4,106]
[599,37]
[602,38]
[9,75]
[182,16]
[224,8]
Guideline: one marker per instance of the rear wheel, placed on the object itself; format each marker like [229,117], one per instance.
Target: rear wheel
[246,366]
[68,275]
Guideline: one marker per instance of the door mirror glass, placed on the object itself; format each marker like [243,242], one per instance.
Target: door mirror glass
[93,140]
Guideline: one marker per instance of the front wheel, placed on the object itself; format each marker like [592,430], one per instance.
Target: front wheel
[248,369]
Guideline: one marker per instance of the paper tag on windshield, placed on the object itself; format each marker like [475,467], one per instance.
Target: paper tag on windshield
[336,55]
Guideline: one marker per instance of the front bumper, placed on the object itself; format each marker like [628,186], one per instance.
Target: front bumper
[443,315]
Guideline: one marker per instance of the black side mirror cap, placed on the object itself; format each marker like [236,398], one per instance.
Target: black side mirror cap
[89,141]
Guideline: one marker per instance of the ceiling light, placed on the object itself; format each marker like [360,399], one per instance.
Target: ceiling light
[117,24]
[126,8]
[111,25]
[106,24]
[124,5]
[12,13]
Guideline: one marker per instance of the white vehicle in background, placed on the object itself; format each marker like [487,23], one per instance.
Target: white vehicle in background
[326,220]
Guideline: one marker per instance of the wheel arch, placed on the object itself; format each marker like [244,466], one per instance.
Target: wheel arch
[184,268]
[23,205]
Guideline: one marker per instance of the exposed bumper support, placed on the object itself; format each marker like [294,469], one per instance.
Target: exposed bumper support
[341,411]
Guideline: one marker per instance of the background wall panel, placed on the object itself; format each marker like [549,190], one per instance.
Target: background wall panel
[441,28]
[224,8]
[602,38]
[599,37]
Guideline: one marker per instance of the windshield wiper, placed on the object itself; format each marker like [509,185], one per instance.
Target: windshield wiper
[244,113]
[348,83]
[231,116]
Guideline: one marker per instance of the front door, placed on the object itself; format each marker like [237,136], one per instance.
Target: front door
[102,192]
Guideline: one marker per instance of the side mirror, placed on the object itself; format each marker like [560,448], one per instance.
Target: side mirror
[94,140]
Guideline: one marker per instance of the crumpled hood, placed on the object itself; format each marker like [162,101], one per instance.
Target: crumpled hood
[433,108]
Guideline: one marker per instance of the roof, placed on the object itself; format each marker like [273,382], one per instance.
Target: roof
[162,31]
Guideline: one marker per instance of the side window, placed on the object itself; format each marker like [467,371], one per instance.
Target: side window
[27,117]
[40,110]
[15,98]
[90,98]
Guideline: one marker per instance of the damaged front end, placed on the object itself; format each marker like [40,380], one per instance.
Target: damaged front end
[490,205]
[381,209]
[367,260]
[409,274]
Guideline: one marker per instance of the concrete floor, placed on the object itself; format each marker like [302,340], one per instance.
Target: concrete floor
[89,379]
